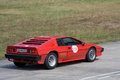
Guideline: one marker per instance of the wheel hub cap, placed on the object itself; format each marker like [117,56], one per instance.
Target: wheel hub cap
[52,60]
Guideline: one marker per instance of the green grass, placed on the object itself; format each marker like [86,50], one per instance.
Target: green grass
[94,21]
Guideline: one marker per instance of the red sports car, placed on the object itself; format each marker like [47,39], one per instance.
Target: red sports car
[51,50]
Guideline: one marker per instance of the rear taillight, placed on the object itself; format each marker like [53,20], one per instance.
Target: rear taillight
[11,50]
[22,50]
[32,51]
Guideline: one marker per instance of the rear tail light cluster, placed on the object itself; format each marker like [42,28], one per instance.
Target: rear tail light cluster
[11,50]
[21,50]
[32,51]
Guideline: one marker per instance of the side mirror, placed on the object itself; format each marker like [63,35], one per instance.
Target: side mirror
[83,43]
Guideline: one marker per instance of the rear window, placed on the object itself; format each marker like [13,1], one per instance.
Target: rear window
[36,41]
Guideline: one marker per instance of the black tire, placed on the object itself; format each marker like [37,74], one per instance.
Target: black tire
[19,64]
[51,61]
[91,55]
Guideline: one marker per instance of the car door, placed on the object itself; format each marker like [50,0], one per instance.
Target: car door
[81,49]
[75,49]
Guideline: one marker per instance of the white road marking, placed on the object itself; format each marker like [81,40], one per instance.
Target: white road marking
[118,74]
[101,75]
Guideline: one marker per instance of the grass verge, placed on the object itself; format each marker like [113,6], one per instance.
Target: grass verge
[89,20]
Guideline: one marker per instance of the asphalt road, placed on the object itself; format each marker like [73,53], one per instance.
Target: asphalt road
[106,67]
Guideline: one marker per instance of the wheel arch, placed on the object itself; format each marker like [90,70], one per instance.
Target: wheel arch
[93,47]
[90,48]
[54,51]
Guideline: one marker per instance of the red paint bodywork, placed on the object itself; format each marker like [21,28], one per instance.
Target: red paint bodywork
[43,45]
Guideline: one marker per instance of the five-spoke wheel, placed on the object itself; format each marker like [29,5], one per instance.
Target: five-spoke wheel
[51,60]
[91,55]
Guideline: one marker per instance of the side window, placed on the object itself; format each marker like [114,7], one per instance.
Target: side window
[67,41]
[59,42]
[76,41]
[70,41]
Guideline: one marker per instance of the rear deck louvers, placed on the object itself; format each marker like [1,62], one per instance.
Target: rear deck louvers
[36,41]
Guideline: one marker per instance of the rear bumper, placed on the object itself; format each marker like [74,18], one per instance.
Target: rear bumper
[23,57]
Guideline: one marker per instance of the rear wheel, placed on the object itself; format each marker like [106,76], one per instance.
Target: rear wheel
[91,55]
[19,64]
[51,61]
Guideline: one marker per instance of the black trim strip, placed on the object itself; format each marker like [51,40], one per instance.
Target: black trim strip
[102,50]
[24,57]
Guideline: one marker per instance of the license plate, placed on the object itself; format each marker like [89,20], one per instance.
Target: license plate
[21,50]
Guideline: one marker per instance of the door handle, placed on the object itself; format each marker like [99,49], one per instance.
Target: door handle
[69,47]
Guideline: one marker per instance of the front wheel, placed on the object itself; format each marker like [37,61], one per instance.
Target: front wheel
[19,64]
[91,55]
[51,61]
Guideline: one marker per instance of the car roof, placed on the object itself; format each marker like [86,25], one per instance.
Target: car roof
[39,40]
[51,37]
